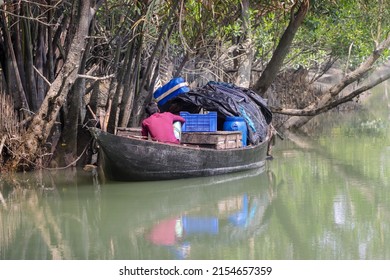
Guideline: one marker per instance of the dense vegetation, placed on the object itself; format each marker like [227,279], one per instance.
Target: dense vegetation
[68,63]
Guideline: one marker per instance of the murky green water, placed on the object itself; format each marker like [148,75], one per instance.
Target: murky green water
[322,197]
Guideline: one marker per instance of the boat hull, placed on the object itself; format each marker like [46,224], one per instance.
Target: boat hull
[132,159]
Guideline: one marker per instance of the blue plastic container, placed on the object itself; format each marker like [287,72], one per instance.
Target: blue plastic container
[199,122]
[170,90]
[193,225]
[236,124]
[240,218]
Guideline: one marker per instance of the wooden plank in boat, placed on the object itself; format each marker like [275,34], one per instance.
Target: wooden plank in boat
[217,140]
[128,131]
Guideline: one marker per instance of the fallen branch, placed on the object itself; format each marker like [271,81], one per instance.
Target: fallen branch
[378,79]
[329,99]
[92,113]
[95,78]
[107,116]
[2,144]
[41,75]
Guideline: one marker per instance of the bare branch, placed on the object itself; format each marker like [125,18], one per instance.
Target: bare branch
[41,75]
[326,107]
[329,99]
[95,78]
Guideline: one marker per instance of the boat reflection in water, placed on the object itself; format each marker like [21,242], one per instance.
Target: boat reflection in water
[235,217]
[178,233]
[73,217]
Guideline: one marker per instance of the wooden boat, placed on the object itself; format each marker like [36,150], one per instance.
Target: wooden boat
[134,159]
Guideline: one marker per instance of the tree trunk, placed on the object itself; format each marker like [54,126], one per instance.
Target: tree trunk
[72,142]
[145,85]
[247,52]
[39,62]
[43,121]
[127,91]
[276,62]
[18,49]
[66,152]
[49,66]
[114,93]
[14,82]
[29,66]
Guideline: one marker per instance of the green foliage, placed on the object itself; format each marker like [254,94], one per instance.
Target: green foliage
[345,29]
[210,18]
[342,28]
[268,31]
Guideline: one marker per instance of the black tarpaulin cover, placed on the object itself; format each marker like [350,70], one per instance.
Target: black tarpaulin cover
[228,100]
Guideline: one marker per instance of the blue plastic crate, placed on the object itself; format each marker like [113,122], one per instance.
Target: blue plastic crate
[199,122]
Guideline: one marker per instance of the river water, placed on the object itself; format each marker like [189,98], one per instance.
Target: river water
[326,196]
